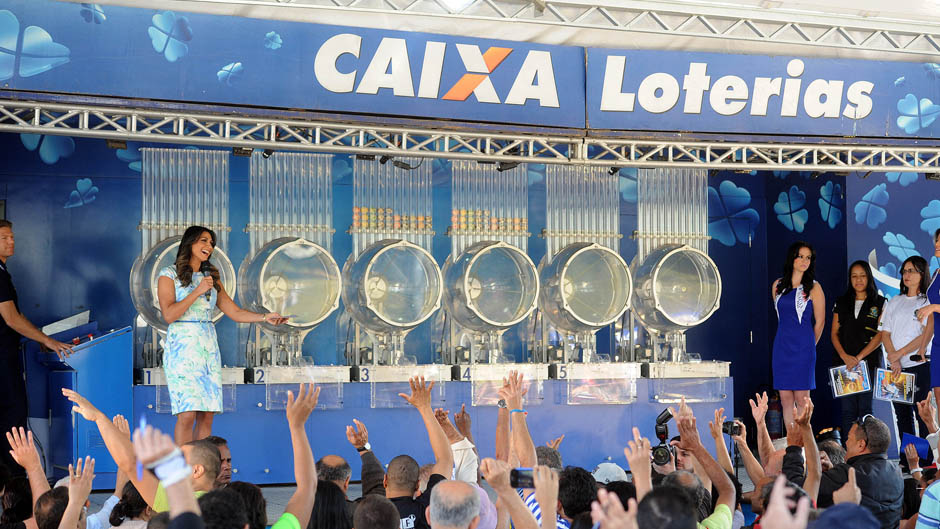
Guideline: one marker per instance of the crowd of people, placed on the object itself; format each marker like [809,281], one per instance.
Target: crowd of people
[797,484]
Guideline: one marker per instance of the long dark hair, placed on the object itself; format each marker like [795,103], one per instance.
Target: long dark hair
[17,501]
[131,505]
[329,508]
[870,289]
[255,505]
[184,272]
[809,276]
[920,264]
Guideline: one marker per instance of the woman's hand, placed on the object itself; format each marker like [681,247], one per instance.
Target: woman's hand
[850,361]
[925,311]
[274,318]
[204,286]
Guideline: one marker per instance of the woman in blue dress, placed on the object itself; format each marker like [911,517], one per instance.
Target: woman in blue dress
[800,305]
[188,293]
[932,332]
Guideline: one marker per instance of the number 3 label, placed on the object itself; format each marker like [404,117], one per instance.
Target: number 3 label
[364,374]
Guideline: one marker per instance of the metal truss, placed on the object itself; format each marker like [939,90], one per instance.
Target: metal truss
[226,130]
[672,19]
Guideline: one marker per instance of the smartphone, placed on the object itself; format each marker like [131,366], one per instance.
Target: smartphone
[521,478]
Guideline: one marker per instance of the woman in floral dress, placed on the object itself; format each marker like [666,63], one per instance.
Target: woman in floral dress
[189,292]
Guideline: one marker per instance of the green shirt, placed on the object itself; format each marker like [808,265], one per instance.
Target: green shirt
[720,519]
[160,501]
[289,521]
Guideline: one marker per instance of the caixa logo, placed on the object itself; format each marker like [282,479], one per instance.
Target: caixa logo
[390,68]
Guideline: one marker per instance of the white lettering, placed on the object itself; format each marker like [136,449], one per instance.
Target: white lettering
[537,64]
[389,68]
[612,99]
[473,61]
[431,69]
[860,104]
[764,88]
[695,84]
[324,64]
[813,103]
[791,89]
[728,95]
[663,84]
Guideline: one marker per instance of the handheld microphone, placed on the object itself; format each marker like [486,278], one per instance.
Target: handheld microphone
[206,268]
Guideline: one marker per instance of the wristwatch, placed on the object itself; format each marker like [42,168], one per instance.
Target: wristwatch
[501,403]
[364,448]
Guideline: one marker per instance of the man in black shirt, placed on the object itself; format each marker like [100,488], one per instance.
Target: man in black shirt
[13,324]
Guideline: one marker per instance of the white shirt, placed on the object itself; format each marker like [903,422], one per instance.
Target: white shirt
[466,461]
[898,319]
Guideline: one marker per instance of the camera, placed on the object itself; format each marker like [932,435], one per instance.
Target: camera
[662,453]
[731,428]
[521,478]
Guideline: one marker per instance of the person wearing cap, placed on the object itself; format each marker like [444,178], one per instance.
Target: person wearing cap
[608,472]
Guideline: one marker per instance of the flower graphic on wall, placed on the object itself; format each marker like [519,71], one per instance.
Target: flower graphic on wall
[870,210]
[830,203]
[93,13]
[230,73]
[899,246]
[169,35]
[889,269]
[131,155]
[51,148]
[931,215]
[916,115]
[272,40]
[932,70]
[790,209]
[730,220]
[85,192]
[904,178]
[32,47]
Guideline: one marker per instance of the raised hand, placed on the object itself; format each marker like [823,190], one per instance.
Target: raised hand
[420,393]
[684,410]
[848,493]
[443,418]
[608,513]
[715,426]
[121,424]
[81,405]
[546,487]
[462,421]
[357,435]
[689,434]
[742,438]
[496,473]
[513,390]
[910,453]
[80,479]
[928,414]
[23,450]
[299,409]
[638,454]
[759,408]
[556,442]
[152,445]
[777,513]
[794,435]
[802,417]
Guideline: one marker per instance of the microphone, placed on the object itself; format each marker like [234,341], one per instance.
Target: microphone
[206,268]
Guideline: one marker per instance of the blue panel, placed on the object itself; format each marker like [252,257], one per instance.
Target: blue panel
[260,440]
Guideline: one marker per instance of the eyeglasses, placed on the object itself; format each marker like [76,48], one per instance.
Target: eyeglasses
[861,425]
[908,271]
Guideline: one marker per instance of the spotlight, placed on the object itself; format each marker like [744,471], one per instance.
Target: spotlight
[116,144]
[242,151]
[814,175]
[506,166]
[613,170]
[864,176]
[267,153]
[384,159]
[712,173]
[932,176]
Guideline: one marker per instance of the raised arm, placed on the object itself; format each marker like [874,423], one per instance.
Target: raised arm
[714,427]
[765,446]
[522,444]
[79,488]
[240,315]
[157,452]
[690,441]
[420,398]
[24,453]
[813,465]
[638,452]
[503,439]
[118,445]
[751,465]
[497,475]
[305,470]
[371,474]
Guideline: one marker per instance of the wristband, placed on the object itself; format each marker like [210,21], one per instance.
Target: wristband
[918,469]
[176,476]
[170,467]
[518,411]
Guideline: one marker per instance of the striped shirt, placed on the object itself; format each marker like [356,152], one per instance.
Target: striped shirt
[929,515]
[533,505]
